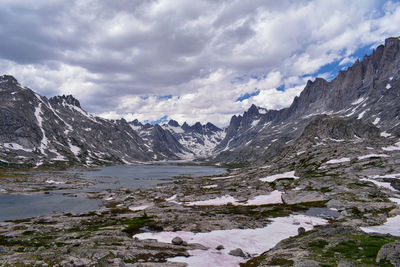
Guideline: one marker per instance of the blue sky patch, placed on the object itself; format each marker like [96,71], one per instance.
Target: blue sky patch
[161,120]
[247,96]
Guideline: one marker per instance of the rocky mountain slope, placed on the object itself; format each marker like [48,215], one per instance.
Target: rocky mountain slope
[368,91]
[35,130]
[185,141]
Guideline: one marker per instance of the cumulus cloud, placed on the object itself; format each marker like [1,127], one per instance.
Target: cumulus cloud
[121,58]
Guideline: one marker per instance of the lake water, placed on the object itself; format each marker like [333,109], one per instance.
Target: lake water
[14,207]
[143,176]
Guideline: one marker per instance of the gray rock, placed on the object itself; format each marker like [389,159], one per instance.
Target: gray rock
[390,252]
[220,247]
[301,230]
[237,253]
[177,241]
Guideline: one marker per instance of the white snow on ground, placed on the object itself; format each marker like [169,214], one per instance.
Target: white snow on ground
[393,175]
[279,176]
[172,198]
[380,184]
[172,128]
[222,200]
[74,149]
[44,142]
[385,134]
[372,156]
[15,146]
[252,241]
[358,101]
[334,161]
[376,121]
[392,148]
[210,186]
[109,198]
[54,182]
[336,140]
[395,200]
[81,111]
[361,114]
[222,178]
[391,226]
[132,208]
[272,198]
[58,156]
[265,167]
[135,128]
[69,127]
[388,86]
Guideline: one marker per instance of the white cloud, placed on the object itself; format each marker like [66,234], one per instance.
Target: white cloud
[118,58]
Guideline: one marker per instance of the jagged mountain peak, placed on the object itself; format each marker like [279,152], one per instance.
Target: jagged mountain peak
[173,123]
[8,78]
[69,99]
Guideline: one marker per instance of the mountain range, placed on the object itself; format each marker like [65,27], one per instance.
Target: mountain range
[361,101]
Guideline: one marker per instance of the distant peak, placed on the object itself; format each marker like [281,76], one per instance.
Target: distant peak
[69,99]
[253,110]
[8,78]
[173,123]
[136,122]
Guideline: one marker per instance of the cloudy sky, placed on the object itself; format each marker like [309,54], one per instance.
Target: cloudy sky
[202,60]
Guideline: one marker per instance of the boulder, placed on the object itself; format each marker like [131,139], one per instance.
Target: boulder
[237,253]
[390,252]
[177,241]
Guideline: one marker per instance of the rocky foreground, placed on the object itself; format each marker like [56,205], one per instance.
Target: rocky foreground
[313,204]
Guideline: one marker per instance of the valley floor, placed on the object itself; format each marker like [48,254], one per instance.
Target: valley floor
[311,207]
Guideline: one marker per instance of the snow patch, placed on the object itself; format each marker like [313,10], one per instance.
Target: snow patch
[373,156]
[361,114]
[54,182]
[392,148]
[376,121]
[15,146]
[380,184]
[252,241]
[391,226]
[385,134]
[388,86]
[273,198]
[358,101]
[222,200]
[210,186]
[274,177]
[44,142]
[74,149]
[132,208]
[335,161]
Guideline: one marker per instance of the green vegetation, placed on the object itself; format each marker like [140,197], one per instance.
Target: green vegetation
[264,211]
[134,225]
[360,247]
